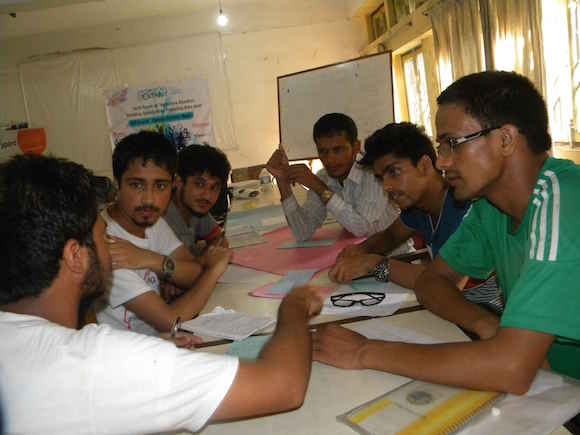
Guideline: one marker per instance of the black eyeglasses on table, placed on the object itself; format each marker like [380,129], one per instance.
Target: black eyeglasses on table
[364,298]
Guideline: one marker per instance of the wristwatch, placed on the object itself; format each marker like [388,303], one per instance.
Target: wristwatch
[168,267]
[382,270]
[326,195]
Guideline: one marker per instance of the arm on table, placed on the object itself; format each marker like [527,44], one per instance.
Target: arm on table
[151,307]
[437,289]
[359,260]
[507,362]
[278,380]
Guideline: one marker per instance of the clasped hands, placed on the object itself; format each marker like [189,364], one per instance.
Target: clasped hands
[280,168]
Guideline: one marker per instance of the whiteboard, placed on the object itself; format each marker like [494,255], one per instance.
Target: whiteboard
[360,88]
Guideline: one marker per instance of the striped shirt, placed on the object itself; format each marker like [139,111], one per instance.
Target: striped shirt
[359,205]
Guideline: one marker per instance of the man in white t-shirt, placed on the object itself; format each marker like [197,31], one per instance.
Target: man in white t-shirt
[59,380]
[144,249]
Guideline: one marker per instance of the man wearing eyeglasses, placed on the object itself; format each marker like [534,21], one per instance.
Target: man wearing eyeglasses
[403,159]
[493,146]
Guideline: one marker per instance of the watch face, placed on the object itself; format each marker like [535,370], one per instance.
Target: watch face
[168,265]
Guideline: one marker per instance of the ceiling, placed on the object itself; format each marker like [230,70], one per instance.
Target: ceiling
[40,16]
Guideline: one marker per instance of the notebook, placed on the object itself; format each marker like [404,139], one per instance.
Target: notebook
[418,408]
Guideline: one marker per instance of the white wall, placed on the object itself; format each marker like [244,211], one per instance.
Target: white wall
[266,39]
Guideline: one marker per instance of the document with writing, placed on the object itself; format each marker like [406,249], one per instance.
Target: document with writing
[227,324]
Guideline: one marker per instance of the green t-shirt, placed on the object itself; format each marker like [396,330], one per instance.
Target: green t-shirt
[538,264]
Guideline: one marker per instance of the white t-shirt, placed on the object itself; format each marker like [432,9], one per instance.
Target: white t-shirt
[127,284]
[57,380]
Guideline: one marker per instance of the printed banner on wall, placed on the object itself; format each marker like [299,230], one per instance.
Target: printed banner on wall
[181,111]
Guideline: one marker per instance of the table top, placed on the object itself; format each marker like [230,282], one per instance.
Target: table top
[333,391]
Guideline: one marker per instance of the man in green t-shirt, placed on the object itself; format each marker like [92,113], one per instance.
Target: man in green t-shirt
[493,146]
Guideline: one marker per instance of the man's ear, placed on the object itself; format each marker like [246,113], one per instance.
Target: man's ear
[425,165]
[356,147]
[509,133]
[74,257]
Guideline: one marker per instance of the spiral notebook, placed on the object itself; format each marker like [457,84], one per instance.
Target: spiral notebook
[418,408]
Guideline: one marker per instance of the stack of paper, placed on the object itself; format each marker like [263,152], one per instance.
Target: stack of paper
[247,238]
[226,324]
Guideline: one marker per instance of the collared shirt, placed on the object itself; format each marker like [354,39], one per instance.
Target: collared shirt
[359,205]
[198,228]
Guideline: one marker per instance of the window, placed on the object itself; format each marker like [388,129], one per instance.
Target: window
[560,25]
[416,89]
[378,22]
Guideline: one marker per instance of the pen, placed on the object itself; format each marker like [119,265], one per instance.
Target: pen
[175,326]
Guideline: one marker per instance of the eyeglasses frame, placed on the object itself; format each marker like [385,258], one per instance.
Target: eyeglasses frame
[454,142]
[375,297]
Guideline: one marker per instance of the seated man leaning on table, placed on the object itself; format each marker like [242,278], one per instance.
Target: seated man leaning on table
[201,176]
[59,380]
[143,247]
[493,145]
[352,195]
[403,158]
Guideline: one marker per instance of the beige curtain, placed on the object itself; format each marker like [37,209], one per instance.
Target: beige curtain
[458,36]
[474,35]
[516,38]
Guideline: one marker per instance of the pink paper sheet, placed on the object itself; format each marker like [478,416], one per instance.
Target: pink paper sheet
[269,258]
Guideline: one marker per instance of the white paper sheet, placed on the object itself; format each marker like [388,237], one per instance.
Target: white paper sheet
[396,296]
[377,329]
[551,401]
[227,324]
[387,307]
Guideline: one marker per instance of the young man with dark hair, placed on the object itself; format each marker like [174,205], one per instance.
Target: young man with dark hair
[352,195]
[202,175]
[493,146]
[143,247]
[57,379]
[403,159]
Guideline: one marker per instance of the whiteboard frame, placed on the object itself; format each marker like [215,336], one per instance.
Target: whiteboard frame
[387,53]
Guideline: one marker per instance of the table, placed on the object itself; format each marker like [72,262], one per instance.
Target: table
[334,391]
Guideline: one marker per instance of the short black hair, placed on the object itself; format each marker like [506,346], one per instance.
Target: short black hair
[44,202]
[145,145]
[333,124]
[496,98]
[403,140]
[197,159]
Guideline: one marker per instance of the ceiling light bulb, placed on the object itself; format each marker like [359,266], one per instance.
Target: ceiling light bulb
[222,20]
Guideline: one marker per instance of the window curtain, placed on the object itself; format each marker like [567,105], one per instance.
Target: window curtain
[516,38]
[458,36]
[477,35]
